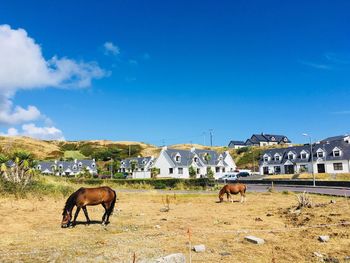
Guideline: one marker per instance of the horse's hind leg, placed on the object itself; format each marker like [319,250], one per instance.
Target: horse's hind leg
[76,215]
[86,214]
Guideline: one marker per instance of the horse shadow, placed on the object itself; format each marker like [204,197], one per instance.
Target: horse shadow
[92,222]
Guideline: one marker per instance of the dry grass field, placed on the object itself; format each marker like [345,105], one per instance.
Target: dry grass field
[30,229]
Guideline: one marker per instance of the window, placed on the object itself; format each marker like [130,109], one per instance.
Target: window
[198,171]
[74,167]
[93,165]
[38,167]
[303,155]
[273,139]
[277,157]
[285,139]
[178,158]
[290,156]
[195,159]
[223,169]
[320,154]
[266,158]
[338,166]
[217,169]
[181,170]
[171,170]
[336,153]
[277,169]
[80,164]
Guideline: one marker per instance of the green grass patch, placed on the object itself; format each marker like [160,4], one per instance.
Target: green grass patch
[74,155]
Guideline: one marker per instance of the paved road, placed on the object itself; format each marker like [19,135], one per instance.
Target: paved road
[336,191]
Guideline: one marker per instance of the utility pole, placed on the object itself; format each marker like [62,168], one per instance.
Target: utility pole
[211,137]
[312,159]
[129,150]
[203,138]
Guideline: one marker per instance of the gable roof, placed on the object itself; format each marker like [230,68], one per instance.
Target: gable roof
[233,143]
[140,161]
[188,155]
[257,138]
[327,147]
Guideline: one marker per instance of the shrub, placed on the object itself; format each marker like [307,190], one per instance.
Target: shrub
[192,171]
[160,185]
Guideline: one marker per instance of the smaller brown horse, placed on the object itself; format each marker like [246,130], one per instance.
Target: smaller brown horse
[89,196]
[230,189]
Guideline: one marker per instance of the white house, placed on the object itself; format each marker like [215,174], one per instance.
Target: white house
[176,163]
[67,168]
[331,155]
[139,167]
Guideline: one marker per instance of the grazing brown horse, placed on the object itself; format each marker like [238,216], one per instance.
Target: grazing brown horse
[89,196]
[230,189]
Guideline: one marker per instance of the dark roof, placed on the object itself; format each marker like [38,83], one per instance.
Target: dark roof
[68,165]
[233,143]
[188,155]
[335,138]
[326,147]
[141,161]
[257,138]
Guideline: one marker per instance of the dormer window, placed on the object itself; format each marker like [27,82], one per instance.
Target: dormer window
[38,167]
[195,159]
[336,152]
[303,155]
[80,164]
[290,156]
[266,158]
[273,139]
[93,165]
[178,158]
[60,166]
[74,167]
[144,161]
[277,157]
[320,153]
[285,139]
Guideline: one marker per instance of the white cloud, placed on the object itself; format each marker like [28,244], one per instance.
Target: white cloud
[15,115]
[110,48]
[31,130]
[315,65]
[23,67]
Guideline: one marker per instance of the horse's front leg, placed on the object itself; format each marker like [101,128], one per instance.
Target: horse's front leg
[76,215]
[104,215]
[86,214]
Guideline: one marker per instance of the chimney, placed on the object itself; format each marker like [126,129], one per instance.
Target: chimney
[75,160]
[193,149]
[164,148]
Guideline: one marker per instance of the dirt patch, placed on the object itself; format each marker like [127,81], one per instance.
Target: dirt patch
[30,229]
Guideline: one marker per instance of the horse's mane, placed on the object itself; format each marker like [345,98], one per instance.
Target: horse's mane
[70,202]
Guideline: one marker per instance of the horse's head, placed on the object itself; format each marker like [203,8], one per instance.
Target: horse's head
[66,219]
[221,194]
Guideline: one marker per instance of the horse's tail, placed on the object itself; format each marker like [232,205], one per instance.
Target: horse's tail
[245,188]
[113,203]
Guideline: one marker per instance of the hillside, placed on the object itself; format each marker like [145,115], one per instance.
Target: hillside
[247,157]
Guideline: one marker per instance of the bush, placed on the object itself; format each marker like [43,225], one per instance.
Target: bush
[118,176]
[160,185]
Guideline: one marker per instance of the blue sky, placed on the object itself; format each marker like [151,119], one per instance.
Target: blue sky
[175,69]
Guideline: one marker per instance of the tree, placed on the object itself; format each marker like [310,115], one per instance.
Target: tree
[192,171]
[210,173]
[207,158]
[133,165]
[21,170]
[154,172]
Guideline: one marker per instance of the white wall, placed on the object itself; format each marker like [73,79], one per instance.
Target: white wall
[141,175]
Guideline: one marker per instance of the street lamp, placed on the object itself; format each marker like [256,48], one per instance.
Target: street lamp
[312,159]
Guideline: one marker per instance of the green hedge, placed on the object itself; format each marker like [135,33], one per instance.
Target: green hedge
[156,183]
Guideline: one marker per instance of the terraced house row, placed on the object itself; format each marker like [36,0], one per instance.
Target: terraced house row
[331,155]
[176,163]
